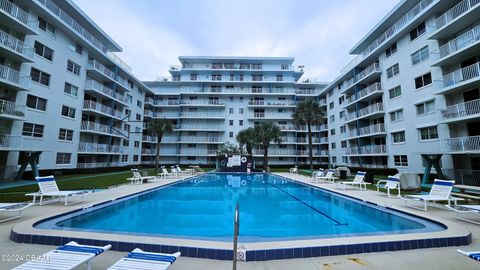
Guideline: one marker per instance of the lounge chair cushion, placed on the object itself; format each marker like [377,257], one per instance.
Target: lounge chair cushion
[82,249]
[475,256]
[151,257]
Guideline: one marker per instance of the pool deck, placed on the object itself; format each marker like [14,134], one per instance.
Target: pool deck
[439,258]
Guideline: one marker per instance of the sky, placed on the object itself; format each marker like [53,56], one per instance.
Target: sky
[318,33]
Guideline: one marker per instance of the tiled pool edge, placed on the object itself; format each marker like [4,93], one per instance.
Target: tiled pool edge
[253,255]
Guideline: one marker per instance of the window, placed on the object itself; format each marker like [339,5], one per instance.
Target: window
[428,133]
[128,112]
[341,100]
[46,26]
[332,118]
[43,51]
[396,115]
[135,158]
[423,80]
[334,145]
[257,78]
[279,78]
[240,122]
[126,127]
[36,103]
[230,134]
[231,122]
[70,89]
[391,50]
[398,137]
[68,111]
[32,130]
[63,158]
[138,117]
[344,144]
[395,92]
[345,160]
[284,67]
[420,55]
[65,134]
[76,47]
[139,103]
[193,77]
[426,108]
[136,144]
[331,105]
[129,99]
[332,131]
[342,114]
[330,92]
[343,129]
[73,67]
[393,71]
[240,110]
[401,160]
[418,31]
[216,77]
[40,76]
[126,143]
[124,158]
[138,130]
[130,84]
[230,110]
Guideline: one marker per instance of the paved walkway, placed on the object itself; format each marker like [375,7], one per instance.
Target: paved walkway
[434,258]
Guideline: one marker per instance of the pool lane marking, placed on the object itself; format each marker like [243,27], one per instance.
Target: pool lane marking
[338,223]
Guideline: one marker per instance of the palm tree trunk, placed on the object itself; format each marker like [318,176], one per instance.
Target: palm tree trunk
[157,155]
[310,150]
[265,157]
[249,149]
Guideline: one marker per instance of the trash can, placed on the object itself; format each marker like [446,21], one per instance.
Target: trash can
[343,174]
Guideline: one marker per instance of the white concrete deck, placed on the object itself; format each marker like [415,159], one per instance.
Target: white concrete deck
[434,258]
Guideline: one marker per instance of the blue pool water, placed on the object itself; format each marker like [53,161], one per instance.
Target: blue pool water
[270,208]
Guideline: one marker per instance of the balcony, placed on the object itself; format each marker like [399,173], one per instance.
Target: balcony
[307,92]
[369,165]
[108,74]
[150,139]
[261,115]
[10,143]
[167,103]
[263,103]
[101,109]
[90,165]
[166,115]
[163,152]
[276,152]
[104,91]
[11,111]
[17,18]
[461,145]
[371,110]
[367,150]
[453,51]
[95,127]
[197,152]
[85,147]
[370,91]
[455,19]
[197,139]
[13,78]
[459,112]
[209,115]
[14,48]
[378,129]
[368,73]
[459,79]
[199,127]
[202,102]
[318,128]
[240,91]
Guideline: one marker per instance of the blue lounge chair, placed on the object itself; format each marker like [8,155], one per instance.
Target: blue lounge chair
[471,254]
[141,260]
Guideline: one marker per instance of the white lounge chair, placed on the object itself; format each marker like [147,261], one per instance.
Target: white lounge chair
[184,172]
[166,173]
[440,191]
[466,210]
[138,178]
[328,177]
[48,188]
[141,260]
[316,175]
[471,254]
[393,182]
[16,208]
[69,256]
[294,170]
[357,181]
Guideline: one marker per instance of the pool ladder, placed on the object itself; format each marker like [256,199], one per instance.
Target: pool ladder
[236,225]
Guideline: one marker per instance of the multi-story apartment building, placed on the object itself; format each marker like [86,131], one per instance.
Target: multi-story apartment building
[412,90]
[65,99]
[210,99]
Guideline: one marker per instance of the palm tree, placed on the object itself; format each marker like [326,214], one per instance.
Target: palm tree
[308,113]
[158,127]
[266,133]
[247,138]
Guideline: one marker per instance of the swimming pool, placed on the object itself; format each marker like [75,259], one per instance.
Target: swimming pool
[271,208]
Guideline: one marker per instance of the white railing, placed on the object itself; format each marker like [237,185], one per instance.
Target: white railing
[369,166]
[271,115]
[320,153]
[10,109]
[375,67]
[98,148]
[196,152]
[307,92]
[93,126]
[377,107]
[397,26]
[97,86]
[314,128]
[460,42]
[322,102]
[461,75]
[16,45]
[463,176]
[12,76]
[119,61]
[347,84]
[460,110]
[92,105]
[368,130]
[165,115]
[148,113]
[18,13]
[93,64]
[196,139]
[149,100]
[63,16]
[10,142]
[167,102]
[238,90]
[200,127]
[367,150]
[202,114]
[270,103]
[276,152]
[455,12]
[99,165]
[376,87]
[461,144]
[147,138]
[201,102]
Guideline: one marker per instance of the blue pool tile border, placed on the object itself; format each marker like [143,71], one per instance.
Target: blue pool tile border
[252,255]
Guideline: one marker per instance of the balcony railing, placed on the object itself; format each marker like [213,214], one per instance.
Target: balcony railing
[93,64]
[245,90]
[372,129]
[92,105]
[167,102]
[465,109]
[461,75]
[97,86]
[147,138]
[197,152]
[165,114]
[18,13]
[460,42]
[90,165]
[97,127]
[307,92]
[10,142]
[197,102]
[369,166]
[202,114]
[270,103]
[9,109]
[196,139]
[376,87]
[98,148]
[375,67]
[455,12]
[271,115]
[276,152]
[374,108]
[463,176]
[461,144]
[200,127]
[14,44]
[14,77]
[367,150]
